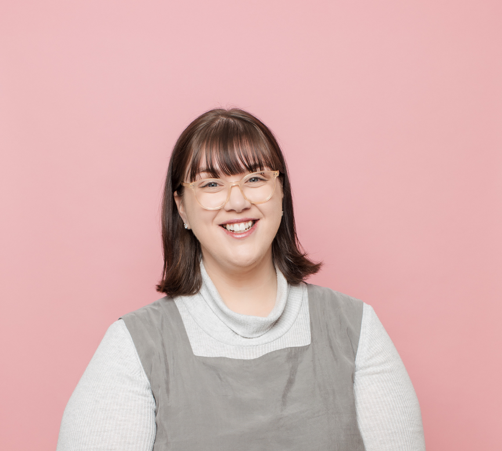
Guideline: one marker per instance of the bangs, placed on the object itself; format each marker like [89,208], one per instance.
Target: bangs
[229,147]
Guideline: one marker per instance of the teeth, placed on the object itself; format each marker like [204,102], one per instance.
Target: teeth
[239,226]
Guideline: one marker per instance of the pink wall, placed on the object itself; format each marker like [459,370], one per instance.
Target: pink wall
[389,113]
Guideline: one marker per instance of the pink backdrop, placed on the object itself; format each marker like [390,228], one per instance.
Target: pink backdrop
[389,114]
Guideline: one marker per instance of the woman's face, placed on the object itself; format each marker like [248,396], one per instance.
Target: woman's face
[221,241]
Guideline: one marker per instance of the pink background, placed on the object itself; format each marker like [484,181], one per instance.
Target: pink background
[389,114]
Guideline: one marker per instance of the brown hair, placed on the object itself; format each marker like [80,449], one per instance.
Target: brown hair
[233,141]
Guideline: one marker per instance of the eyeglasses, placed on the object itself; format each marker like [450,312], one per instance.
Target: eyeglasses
[213,194]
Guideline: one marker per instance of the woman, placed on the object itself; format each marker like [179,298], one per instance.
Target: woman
[241,353]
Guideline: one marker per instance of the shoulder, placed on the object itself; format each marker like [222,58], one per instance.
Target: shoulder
[151,310]
[376,344]
[151,325]
[151,316]
[115,349]
[338,303]
[338,312]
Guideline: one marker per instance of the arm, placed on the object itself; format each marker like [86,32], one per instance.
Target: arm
[388,412]
[112,407]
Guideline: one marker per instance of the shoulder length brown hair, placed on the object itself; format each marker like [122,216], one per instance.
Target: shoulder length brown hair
[232,141]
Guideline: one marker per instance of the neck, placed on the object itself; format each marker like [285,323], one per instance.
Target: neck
[250,290]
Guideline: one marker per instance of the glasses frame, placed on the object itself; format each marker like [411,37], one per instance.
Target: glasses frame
[230,185]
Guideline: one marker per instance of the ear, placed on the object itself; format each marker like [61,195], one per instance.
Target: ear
[181,208]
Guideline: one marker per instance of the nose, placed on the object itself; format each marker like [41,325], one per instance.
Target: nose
[236,200]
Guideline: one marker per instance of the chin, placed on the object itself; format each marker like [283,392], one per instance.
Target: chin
[245,260]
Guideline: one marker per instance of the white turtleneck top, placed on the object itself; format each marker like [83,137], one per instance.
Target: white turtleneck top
[112,407]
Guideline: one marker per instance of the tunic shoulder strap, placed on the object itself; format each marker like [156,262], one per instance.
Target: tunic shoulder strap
[148,327]
[336,313]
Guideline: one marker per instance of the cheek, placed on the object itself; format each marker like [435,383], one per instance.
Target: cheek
[274,215]
[199,218]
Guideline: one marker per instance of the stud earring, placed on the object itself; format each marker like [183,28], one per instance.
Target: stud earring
[186,227]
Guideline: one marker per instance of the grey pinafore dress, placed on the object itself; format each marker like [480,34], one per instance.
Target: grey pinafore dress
[298,398]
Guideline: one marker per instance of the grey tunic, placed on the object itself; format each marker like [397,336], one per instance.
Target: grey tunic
[294,398]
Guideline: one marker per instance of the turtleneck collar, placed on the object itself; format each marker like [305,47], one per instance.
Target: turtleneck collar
[246,326]
[210,313]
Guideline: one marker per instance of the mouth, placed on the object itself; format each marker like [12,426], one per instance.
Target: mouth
[239,227]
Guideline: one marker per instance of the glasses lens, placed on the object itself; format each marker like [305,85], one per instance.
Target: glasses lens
[257,187]
[211,193]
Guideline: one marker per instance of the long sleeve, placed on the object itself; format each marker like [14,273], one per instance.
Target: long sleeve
[112,407]
[388,412]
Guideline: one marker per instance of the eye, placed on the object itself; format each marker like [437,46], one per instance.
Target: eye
[256,178]
[210,184]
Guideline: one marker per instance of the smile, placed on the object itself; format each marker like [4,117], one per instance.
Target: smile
[239,227]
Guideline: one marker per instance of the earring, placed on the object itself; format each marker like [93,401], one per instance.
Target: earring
[186,227]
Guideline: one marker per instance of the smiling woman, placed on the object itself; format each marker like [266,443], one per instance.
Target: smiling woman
[241,353]
[228,147]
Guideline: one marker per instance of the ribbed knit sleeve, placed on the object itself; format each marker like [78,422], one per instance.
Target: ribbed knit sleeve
[388,412]
[112,407]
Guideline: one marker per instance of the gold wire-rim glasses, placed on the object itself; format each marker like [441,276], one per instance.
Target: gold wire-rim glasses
[230,185]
